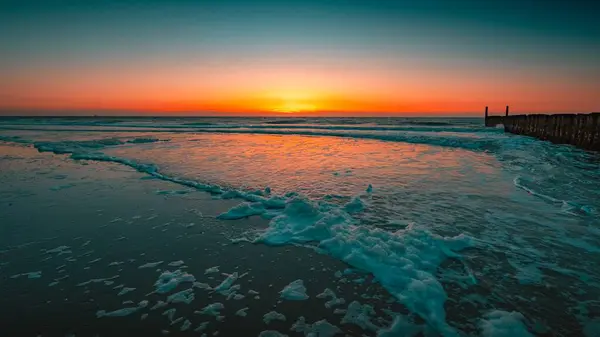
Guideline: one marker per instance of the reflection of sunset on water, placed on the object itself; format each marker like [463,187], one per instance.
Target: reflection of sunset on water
[292,163]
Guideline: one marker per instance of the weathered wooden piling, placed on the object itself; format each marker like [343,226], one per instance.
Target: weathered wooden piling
[581,130]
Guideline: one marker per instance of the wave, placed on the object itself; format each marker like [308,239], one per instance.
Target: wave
[365,128]
[446,139]
[78,146]
[432,127]
[404,261]
[287,121]
[567,205]
[504,148]
[436,139]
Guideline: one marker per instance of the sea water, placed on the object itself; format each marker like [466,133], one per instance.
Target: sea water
[467,229]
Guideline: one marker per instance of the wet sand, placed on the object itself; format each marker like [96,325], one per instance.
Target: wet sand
[113,220]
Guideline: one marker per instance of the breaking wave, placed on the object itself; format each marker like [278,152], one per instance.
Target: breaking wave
[404,261]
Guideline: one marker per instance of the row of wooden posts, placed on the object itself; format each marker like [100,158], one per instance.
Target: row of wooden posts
[581,130]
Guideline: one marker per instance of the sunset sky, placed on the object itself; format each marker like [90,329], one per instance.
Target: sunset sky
[262,57]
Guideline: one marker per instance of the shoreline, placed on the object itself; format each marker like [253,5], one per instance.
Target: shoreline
[201,246]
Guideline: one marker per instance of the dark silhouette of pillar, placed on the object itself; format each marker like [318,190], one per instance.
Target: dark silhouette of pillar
[507,111]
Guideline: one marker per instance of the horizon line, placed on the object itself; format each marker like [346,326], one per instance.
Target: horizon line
[57,113]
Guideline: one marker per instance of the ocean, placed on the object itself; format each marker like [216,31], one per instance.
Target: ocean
[294,226]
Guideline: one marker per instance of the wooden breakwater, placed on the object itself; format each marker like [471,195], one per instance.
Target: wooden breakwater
[581,130]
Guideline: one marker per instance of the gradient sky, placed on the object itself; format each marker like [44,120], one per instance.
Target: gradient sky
[373,57]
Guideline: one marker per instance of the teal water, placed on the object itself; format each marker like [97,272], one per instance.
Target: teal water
[469,230]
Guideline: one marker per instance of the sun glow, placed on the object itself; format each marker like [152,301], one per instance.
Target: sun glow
[291,102]
[291,107]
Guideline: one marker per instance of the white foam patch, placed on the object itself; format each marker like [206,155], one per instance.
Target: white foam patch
[170,313]
[201,285]
[97,280]
[177,320]
[227,283]
[211,270]
[30,275]
[121,312]
[201,327]
[320,328]
[273,316]
[60,250]
[184,296]
[354,206]
[230,292]
[243,210]
[117,313]
[404,261]
[500,323]
[176,263]
[150,265]
[186,325]
[295,291]
[328,293]
[212,309]
[125,290]
[168,280]
[360,315]
[159,304]
[271,333]
[242,312]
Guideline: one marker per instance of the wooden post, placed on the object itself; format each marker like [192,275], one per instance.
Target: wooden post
[507,111]
[485,122]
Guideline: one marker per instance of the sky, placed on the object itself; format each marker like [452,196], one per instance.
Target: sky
[353,57]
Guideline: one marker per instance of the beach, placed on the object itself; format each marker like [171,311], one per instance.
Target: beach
[416,226]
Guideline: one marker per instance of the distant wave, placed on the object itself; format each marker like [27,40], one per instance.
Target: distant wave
[567,205]
[448,137]
[193,126]
[436,139]
[286,121]
[367,128]
[197,123]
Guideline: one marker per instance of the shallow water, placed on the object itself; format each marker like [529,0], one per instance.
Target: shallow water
[460,224]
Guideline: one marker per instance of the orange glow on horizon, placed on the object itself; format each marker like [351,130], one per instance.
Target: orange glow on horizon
[264,89]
